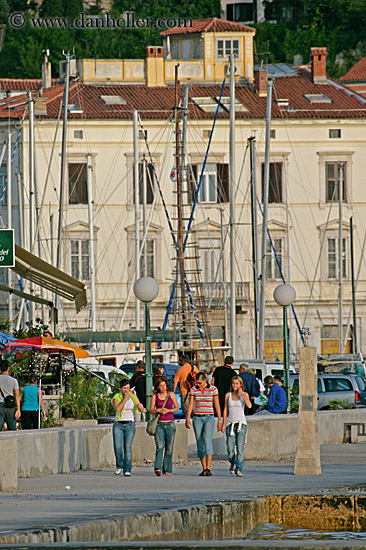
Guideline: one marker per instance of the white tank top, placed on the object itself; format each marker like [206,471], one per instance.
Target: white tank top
[236,411]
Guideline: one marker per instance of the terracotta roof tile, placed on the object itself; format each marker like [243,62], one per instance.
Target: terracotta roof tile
[357,72]
[213,24]
[157,103]
[16,84]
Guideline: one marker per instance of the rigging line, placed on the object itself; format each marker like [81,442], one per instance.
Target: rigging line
[194,203]
[320,254]
[2,198]
[37,228]
[281,273]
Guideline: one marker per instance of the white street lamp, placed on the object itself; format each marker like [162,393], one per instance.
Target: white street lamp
[284,295]
[146,290]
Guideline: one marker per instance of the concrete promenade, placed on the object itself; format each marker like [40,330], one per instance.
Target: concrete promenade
[83,497]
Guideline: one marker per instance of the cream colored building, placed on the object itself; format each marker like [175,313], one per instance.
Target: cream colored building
[315,128]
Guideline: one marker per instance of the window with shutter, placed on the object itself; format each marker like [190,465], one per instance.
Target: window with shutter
[78,188]
[214,186]
[275,182]
[150,182]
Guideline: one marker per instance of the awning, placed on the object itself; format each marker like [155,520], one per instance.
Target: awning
[38,271]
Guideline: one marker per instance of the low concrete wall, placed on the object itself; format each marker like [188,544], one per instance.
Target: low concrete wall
[35,453]
[273,437]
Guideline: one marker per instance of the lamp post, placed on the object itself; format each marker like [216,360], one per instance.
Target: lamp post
[146,290]
[284,295]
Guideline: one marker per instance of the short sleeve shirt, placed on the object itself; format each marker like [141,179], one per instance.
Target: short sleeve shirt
[203,399]
[7,384]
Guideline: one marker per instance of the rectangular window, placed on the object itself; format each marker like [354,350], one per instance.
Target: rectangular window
[80,256]
[214,186]
[335,134]
[332,174]
[149,180]
[273,264]
[275,182]
[150,259]
[78,188]
[209,252]
[226,47]
[332,258]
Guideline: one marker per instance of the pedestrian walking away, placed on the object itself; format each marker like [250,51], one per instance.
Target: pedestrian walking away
[203,398]
[251,386]
[9,398]
[165,404]
[186,377]
[127,406]
[222,377]
[31,403]
[235,425]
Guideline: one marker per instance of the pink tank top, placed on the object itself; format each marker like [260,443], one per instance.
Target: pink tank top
[169,405]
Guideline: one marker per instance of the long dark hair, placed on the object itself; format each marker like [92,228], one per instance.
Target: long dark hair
[157,384]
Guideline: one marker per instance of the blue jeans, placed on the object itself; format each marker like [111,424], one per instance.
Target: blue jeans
[204,426]
[123,435]
[235,446]
[164,441]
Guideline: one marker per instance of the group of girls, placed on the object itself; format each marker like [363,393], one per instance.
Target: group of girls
[203,402]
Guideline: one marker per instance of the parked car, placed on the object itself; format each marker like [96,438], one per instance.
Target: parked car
[349,387]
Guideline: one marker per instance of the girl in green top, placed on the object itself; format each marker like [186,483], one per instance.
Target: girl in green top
[126,405]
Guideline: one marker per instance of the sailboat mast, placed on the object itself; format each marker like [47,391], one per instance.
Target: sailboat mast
[253,187]
[179,205]
[265,217]
[136,172]
[9,201]
[91,244]
[290,331]
[63,167]
[354,329]
[340,259]
[31,187]
[232,210]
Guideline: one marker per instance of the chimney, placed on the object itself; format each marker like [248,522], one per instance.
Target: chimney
[46,71]
[318,65]
[155,66]
[261,82]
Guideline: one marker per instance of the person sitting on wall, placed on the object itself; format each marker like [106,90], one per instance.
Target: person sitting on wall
[277,399]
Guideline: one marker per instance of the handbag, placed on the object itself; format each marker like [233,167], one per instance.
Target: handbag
[153,423]
[9,400]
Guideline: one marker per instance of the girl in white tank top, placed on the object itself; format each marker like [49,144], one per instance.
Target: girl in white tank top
[235,424]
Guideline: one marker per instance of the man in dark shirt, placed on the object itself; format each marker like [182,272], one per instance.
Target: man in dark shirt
[222,377]
[251,386]
[140,369]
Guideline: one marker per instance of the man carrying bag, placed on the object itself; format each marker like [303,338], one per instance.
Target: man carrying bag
[9,398]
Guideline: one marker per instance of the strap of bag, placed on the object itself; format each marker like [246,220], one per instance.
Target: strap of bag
[2,393]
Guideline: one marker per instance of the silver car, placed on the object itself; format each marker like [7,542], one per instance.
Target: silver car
[349,387]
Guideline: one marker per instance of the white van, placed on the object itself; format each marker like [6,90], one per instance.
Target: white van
[263,369]
[112,375]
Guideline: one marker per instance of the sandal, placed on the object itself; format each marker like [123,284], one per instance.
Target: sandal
[167,474]
[208,472]
[203,473]
[157,472]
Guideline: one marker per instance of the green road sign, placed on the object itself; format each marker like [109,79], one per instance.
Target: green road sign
[7,248]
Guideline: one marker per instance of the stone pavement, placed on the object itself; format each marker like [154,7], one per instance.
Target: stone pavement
[66,499]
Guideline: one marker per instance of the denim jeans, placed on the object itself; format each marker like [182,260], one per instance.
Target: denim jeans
[235,446]
[164,441]
[8,416]
[204,426]
[123,435]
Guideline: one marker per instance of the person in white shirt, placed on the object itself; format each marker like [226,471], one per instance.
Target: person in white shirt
[235,424]
[127,405]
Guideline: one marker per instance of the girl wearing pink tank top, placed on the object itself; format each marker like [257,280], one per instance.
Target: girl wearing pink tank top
[165,431]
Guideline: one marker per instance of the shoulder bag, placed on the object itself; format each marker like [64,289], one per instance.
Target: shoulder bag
[9,400]
[153,423]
